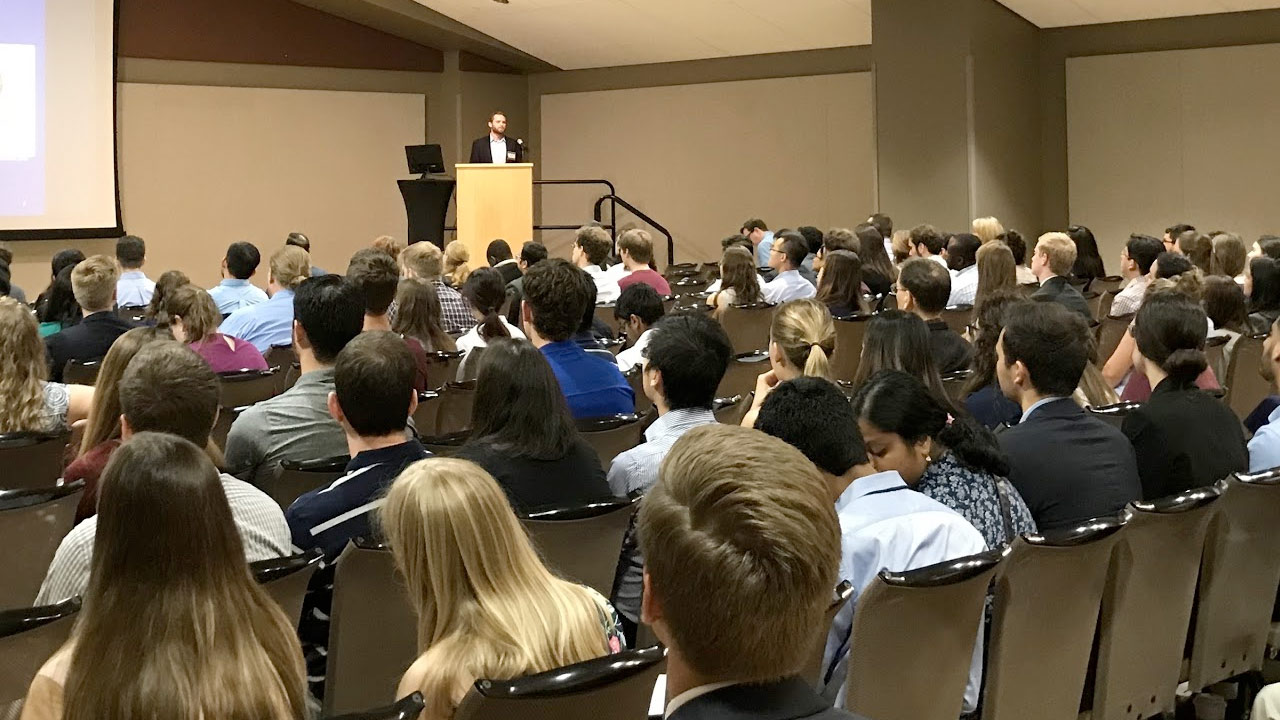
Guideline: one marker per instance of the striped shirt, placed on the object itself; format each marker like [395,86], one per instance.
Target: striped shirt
[258,518]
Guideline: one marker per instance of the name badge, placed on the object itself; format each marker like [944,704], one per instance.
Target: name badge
[511,155]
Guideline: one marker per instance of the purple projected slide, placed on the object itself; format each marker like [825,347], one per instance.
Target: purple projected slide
[22,110]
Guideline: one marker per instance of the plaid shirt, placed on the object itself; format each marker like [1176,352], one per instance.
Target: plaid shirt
[455,309]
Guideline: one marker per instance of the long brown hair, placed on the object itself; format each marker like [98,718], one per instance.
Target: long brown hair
[841,281]
[104,417]
[419,315]
[738,272]
[996,270]
[22,369]
[205,641]
[169,281]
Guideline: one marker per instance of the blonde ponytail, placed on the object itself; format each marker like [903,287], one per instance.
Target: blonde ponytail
[817,364]
[804,332]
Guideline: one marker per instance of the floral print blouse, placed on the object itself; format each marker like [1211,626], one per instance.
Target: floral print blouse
[973,494]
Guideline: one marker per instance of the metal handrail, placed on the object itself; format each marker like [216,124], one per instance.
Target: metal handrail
[615,200]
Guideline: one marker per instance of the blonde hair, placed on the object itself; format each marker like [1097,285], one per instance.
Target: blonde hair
[94,282]
[638,244]
[423,260]
[806,335]
[290,265]
[736,508]
[22,369]
[456,263]
[199,313]
[389,245]
[901,244]
[996,270]
[987,229]
[1060,251]
[487,606]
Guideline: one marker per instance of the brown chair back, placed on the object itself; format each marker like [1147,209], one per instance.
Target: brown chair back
[285,579]
[1245,386]
[740,377]
[958,317]
[612,436]
[32,525]
[635,378]
[850,332]
[1104,285]
[296,478]
[1215,350]
[32,459]
[604,313]
[456,402]
[953,383]
[28,636]
[246,387]
[582,542]
[81,372]
[280,356]
[1110,331]
[1114,414]
[1023,681]
[812,669]
[731,410]
[408,707]
[442,367]
[427,412]
[1101,305]
[222,426]
[747,326]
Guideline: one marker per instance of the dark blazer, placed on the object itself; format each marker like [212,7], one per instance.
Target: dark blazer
[990,407]
[950,351]
[480,152]
[789,699]
[1184,438]
[878,284]
[89,340]
[533,484]
[510,272]
[1059,290]
[1069,466]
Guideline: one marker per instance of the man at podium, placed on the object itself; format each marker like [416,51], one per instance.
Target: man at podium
[496,147]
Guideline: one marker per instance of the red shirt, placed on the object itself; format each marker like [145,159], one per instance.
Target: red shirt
[648,277]
[89,467]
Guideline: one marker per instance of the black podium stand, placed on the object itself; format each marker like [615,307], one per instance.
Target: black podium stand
[426,201]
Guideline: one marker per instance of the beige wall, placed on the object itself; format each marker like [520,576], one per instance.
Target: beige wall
[1180,136]
[702,158]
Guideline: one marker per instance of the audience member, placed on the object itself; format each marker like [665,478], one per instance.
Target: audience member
[1068,466]
[927,242]
[1228,311]
[1171,234]
[419,316]
[62,259]
[457,264]
[962,259]
[785,256]
[684,363]
[193,319]
[271,323]
[389,245]
[813,243]
[898,340]
[637,311]
[133,289]
[1136,388]
[94,284]
[297,239]
[29,403]
[522,433]
[168,281]
[901,247]
[554,304]
[1052,262]
[1018,247]
[1184,438]
[1264,447]
[485,292]
[729,654]
[1088,265]
[167,388]
[235,291]
[375,276]
[498,255]
[996,271]
[802,339]
[988,229]
[1170,265]
[1228,256]
[203,638]
[1268,245]
[479,589]
[840,284]
[924,289]
[883,225]
[591,249]
[1136,259]
[877,271]
[59,310]
[6,262]
[1262,285]
[591,329]
[982,397]
[296,425]
[761,240]
[1198,248]
[530,254]
[635,247]
[424,260]
[739,284]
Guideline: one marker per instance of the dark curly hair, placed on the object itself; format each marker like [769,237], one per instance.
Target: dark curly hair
[556,298]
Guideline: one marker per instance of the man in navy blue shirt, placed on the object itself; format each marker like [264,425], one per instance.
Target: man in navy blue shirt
[555,301]
[373,398]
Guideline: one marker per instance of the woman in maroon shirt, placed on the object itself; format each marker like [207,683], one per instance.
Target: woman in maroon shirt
[194,319]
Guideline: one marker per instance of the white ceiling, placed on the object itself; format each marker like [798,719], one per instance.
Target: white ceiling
[1058,13]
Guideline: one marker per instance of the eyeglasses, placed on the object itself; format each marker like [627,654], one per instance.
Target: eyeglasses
[776,250]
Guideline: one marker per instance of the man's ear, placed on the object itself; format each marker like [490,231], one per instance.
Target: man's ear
[413,402]
[650,606]
[126,432]
[300,338]
[335,410]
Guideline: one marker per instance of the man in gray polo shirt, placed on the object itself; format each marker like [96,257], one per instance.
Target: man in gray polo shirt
[327,313]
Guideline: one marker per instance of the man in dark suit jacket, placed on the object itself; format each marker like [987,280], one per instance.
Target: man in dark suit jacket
[729,656]
[94,283]
[1066,464]
[496,147]
[498,254]
[1052,262]
[923,288]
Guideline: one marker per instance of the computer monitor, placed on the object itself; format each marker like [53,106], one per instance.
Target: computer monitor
[424,159]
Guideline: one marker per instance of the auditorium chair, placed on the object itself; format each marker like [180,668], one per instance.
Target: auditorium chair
[635,378]
[81,372]
[285,579]
[744,368]
[32,459]
[958,317]
[731,410]
[373,630]
[850,332]
[1069,569]
[1092,300]
[1146,607]
[582,542]
[242,388]
[1109,332]
[1113,414]
[675,271]
[442,367]
[691,284]
[1104,285]
[424,416]
[468,368]
[1101,305]
[611,436]
[445,445]
[1245,386]
[291,375]
[915,635]
[32,525]
[28,637]
[614,346]
[612,687]
[604,313]
[222,425]
[953,383]
[296,478]
[456,402]
[747,326]
[280,356]
[812,671]
[406,708]
[136,314]
[1215,350]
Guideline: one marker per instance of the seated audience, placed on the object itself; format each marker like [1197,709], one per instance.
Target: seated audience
[1228,311]
[425,261]
[962,259]
[133,288]
[1228,256]
[1171,235]
[1137,389]
[635,248]
[271,323]
[102,429]
[28,402]
[785,256]
[927,242]
[636,311]
[1136,259]
[59,310]
[203,638]
[836,239]
[802,339]
[1197,247]
[1262,286]
[591,248]
[298,240]
[479,588]
[739,282]
[6,277]
[457,264]
[296,425]
[555,302]
[94,284]
[877,271]
[375,276]
[898,340]
[924,289]
[389,245]
[684,363]
[418,315]
[168,281]
[67,258]
[592,330]
[1184,438]
[193,319]
[235,291]
[498,255]
[485,293]
[883,225]
[988,229]
[840,284]
[997,272]
[813,243]
[1052,262]
[1018,247]
[1088,265]
[728,656]
[1067,465]
[883,524]
[982,397]
[530,253]
[168,388]
[1264,447]
[761,239]
[1268,245]
[522,433]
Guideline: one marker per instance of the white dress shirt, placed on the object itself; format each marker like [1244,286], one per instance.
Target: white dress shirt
[134,289]
[498,149]
[787,286]
[964,286]
[941,261]
[1025,276]
[607,290]
[634,355]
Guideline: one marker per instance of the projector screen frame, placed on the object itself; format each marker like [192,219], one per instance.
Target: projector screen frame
[92,233]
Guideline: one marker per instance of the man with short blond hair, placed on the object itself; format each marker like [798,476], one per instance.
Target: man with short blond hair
[635,247]
[728,653]
[93,281]
[1054,257]
[426,261]
[590,252]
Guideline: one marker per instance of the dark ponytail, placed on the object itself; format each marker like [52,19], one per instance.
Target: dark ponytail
[1170,330]
[1184,366]
[486,292]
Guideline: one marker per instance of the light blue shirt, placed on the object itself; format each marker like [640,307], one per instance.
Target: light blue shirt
[232,294]
[134,289]
[789,285]
[762,250]
[498,149]
[884,525]
[1264,448]
[265,324]
[1036,406]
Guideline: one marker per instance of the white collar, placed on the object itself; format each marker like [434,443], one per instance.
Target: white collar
[508,261]
[693,694]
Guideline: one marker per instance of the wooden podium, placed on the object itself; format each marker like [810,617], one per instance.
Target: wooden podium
[494,201]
